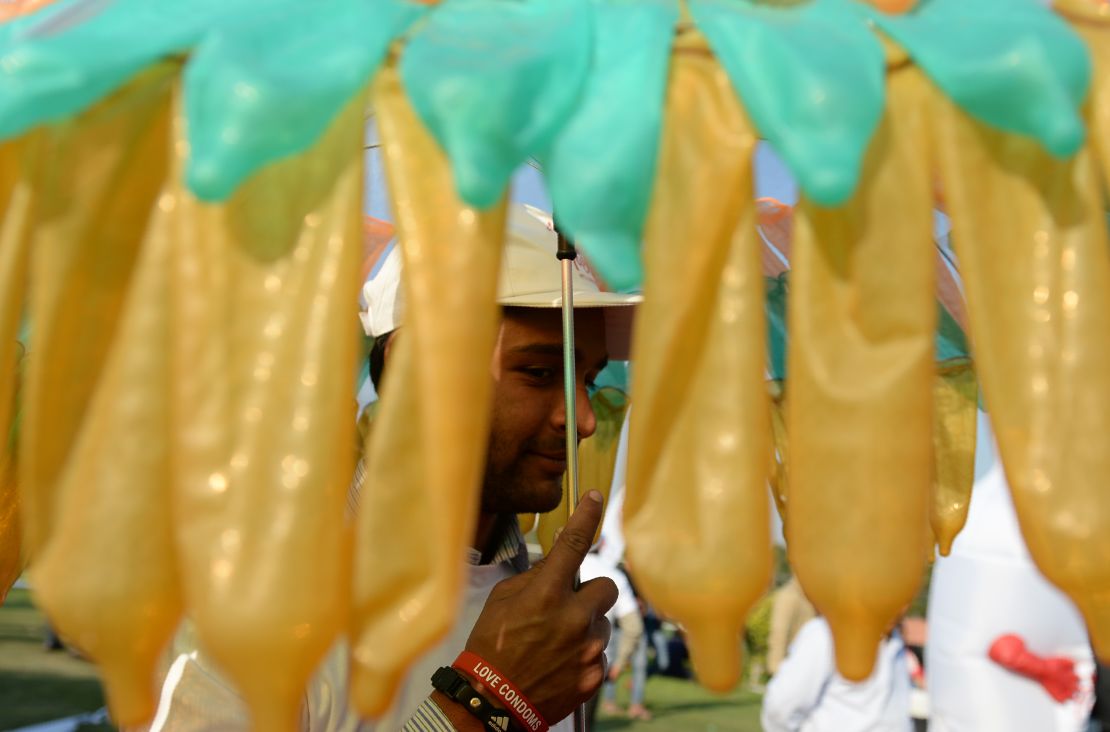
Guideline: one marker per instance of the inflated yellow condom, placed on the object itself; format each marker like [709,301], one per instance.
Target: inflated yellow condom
[956,399]
[14,201]
[1091,19]
[11,555]
[778,479]
[862,320]
[597,460]
[264,345]
[87,234]
[108,578]
[92,205]
[428,446]
[526,521]
[1039,326]
[695,512]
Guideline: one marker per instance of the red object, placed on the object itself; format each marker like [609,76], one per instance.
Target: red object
[917,673]
[1055,673]
[506,692]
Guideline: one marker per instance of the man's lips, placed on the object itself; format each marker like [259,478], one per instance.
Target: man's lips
[553,462]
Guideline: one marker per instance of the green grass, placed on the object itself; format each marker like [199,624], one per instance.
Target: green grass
[37,685]
[683,705]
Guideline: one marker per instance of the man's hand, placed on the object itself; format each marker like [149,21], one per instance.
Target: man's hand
[544,636]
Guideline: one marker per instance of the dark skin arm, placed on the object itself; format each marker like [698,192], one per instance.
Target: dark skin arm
[461,720]
[541,633]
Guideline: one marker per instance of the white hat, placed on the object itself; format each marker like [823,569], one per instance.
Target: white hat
[531,277]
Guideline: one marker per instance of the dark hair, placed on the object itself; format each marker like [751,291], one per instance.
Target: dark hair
[377,359]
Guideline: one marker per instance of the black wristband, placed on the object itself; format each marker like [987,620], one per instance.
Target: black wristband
[457,687]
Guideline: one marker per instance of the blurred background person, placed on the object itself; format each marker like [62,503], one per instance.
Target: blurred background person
[808,695]
[628,630]
[790,610]
[987,594]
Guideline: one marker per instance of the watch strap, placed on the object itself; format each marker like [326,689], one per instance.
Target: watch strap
[457,687]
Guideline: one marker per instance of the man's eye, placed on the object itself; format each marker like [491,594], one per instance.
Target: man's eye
[539,373]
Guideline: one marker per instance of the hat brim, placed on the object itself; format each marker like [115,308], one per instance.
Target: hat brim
[619,310]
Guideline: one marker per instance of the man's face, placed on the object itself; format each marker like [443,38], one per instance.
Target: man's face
[527,445]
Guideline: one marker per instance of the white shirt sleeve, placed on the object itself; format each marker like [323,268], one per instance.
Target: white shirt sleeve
[795,690]
[196,697]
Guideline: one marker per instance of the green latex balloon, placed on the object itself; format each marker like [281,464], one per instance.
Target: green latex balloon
[257,92]
[615,376]
[951,341]
[812,79]
[494,81]
[58,63]
[601,170]
[1013,65]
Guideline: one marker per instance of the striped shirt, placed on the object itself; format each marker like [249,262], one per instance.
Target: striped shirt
[428,718]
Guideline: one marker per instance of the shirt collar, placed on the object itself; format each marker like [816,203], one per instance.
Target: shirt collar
[510,548]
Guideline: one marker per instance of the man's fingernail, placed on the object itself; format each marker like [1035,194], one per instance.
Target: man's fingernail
[557,533]
[594,495]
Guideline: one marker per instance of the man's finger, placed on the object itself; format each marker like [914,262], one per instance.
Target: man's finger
[602,630]
[599,594]
[572,545]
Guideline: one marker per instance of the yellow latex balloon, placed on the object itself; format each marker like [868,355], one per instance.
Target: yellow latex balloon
[779,450]
[108,578]
[427,450]
[11,558]
[695,512]
[1091,19]
[95,180]
[1039,326]
[597,461]
[862,323]
[11,174]
[956,397]
[526,521]
[264,345]
[14,204]
[955,409]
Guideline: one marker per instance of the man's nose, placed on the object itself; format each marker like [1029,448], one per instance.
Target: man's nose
[587,420]
[584,413]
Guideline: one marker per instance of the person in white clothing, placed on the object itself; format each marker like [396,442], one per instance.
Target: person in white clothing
[808,695]
[986,592]
[625,616]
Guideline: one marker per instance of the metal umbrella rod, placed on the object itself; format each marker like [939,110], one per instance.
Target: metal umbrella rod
[566,255]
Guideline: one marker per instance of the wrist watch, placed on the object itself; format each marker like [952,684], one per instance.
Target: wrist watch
[458,688]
